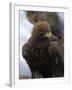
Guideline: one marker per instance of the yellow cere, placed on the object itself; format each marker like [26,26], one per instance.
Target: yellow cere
[48,34]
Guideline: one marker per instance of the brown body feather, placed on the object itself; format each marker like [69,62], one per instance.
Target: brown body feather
[44,54]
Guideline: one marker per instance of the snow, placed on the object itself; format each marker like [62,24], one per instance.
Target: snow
[25,33]
[61,17]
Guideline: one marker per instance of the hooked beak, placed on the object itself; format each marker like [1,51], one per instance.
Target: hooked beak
[48,34]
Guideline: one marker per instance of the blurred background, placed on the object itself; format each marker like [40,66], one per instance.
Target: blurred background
[27,21]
